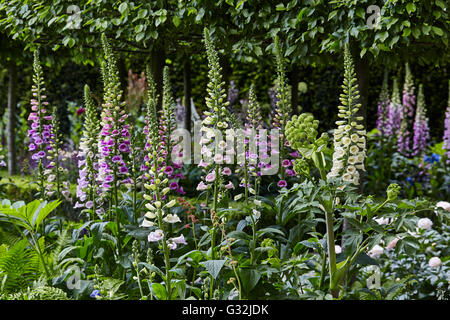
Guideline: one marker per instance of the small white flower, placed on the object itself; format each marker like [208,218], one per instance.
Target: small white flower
[434,262]
[351,169]
[392,244]
[382,221]
[354,137]
[171,218]
[238,196]
[352,160]
[347,177]
[150,215]
[376,252]
[354,150]
[155,235]
[170,204]
[424,223]
[444,205]
[179,240]
[337,249]
[146,224]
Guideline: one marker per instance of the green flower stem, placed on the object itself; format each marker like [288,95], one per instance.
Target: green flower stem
[139,278]
[115,199]
[323,270]
[214,208]
[165,248]
[253,245]
[331,253]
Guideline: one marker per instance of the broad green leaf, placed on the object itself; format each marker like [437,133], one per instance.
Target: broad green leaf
[176,21]
[213,267]
[269,230]
[438,31]
[332,14]
[440,4]
[410,7]
[44,211]
[249,278]
[360,13]
[280,7]
[140,36]
[160,291]
[123,7]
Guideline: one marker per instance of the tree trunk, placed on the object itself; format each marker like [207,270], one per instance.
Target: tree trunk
[157,61]
[294,89]
[11,127]
[123,74]
[362,68]
[187,93]
[226,70]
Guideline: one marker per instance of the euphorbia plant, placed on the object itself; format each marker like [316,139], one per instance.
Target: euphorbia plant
[348,159]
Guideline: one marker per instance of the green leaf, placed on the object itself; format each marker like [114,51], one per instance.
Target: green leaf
[138,28]
[43,211]
[416,32]
[440,4]
[269,230]
[69,42]
[383,36]
[249,278]
[140,36]
[142,13]
[332,14]
[406,32]
[393,41]
[410,7]
[438,31]
[176,21]
[213,267]
[280,7]
[290,50]
[160,291]
[360,13]
[363,52]
[123,7]
[426,29]
[258,50]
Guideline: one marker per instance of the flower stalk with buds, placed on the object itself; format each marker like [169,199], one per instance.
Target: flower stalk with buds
[283,103]
[87,187]
[218,118]
[446,137]
[40,132]
[421,129]
[157,186]
[409,102]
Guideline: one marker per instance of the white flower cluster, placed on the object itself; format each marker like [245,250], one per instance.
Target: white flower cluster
[350,136]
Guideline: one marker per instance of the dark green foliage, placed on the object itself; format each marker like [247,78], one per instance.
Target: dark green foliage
[19,264]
